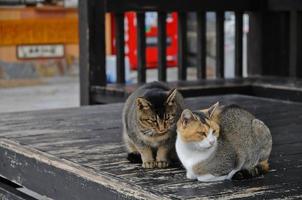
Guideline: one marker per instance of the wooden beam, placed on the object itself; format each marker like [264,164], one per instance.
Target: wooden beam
[141,47]
[284,5]
[60,179]
[92,47]
[182,5]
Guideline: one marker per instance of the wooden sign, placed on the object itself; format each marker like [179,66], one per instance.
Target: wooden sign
[39,31]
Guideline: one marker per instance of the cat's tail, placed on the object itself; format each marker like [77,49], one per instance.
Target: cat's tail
[260,169]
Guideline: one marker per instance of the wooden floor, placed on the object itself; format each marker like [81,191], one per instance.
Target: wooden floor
[78,154]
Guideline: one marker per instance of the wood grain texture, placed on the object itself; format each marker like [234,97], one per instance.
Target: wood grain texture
[84,144]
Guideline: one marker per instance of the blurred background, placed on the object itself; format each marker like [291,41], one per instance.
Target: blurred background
[39,52]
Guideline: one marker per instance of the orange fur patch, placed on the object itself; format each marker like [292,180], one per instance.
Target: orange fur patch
[195,130]
[191,132]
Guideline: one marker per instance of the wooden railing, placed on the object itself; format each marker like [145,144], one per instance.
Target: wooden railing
[92,36]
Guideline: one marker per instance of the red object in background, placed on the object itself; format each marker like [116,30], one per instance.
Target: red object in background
[151,39]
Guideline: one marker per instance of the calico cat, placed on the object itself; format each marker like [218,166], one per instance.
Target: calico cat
[149,123]
[215,143]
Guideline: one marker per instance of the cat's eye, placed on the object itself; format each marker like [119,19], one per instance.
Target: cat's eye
[150,121]
[202,134]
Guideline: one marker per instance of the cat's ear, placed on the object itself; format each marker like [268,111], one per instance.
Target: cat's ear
[212,109]
[171,97]
[186,117]
[142,103]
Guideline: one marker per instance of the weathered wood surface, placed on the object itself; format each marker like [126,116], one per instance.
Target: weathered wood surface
[80,151]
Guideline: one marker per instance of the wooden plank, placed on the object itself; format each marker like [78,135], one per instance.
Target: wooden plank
[69,180]
[182,5]
[141,47]
[238,44]
[120,47]
[90,139]
[92,47]
[162,46]
[220,44]
[182,46]
[275,87]
[201,45]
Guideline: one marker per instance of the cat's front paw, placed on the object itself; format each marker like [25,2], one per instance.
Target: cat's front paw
[190,176]
[149,164]
[162,164]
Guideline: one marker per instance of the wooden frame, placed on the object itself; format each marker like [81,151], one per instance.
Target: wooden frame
[271,48]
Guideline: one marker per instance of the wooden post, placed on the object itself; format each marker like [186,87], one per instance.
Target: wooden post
[219,44]
[295,44]
[120,47]
[268,49]
[238,43]
[254,44]
[201,45]
[162,45]
[141,47]
[182,46]
[92,47]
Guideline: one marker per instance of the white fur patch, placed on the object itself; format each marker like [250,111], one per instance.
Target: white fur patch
[195,152]
[192,153]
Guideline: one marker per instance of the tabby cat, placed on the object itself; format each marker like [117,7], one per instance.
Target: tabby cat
[149,123]
[215,143]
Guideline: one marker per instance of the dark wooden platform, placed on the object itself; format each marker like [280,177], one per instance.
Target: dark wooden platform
[78,154]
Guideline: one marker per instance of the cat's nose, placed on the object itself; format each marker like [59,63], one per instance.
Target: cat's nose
[211,142]
[161,130]
[161,127]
